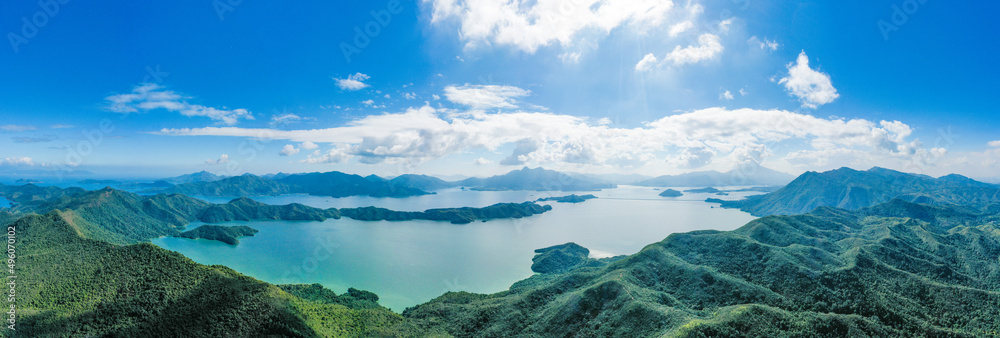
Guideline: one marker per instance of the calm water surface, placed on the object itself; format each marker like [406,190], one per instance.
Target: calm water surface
[407,263]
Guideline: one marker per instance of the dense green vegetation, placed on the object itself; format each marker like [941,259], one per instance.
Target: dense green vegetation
[226,234]
[453,215]
[896,269]
[334,184]
[559,258]
[671,193]
[245,185]
[245,209]
[69,285]
[574,198]
[851,189]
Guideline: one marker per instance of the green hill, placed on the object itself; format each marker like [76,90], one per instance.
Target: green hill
[537,179]
[898,269]
[851,189]
[68,285]
[245,185]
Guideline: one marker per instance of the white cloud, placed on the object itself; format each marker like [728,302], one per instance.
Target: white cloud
[994,144]
[485,96]
[528,26]
[647,63]
[743,92]
[731,136]
[708,48]
[17,161]
[482,161]
[724,25]
[353,82]
[368,102]
[436,97]
[16,128]
[308,145]
[726,95]
[679,28]
[604,121]
[764,44]
[410,95]
[147,97]
[813,88]
[286,118]
[224,158]
[288,150]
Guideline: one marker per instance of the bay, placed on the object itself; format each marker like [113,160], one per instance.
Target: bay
[408,263]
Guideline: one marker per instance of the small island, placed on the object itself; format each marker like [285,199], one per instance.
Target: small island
[225,234]
[708,190]
[567,199]
[559,258]
[671,193]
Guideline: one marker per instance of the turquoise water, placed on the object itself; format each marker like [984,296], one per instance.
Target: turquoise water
[407,263]
[4,203]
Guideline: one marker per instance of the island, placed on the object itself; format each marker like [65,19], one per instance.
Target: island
[454,215]
[671,193]
[225,234]
[708,190]
[104,182]
[567,199]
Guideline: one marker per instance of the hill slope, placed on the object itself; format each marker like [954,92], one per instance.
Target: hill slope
[73,286]
[851,189]
[877,272]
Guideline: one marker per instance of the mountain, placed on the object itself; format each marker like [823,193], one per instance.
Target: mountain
[852,189]
[755,176]
[422,182]
[338,184]
[537,179]
[201,176]
[454,215]
[624,179]
[897,269]
[244,185]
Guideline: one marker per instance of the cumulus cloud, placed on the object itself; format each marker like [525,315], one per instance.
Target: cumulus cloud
[308,146]
[726,95]
[647,63]
[708,48]
[288,150]
[485,96]
[151,96]
[540,138]
[528,26]
[224,158]
[353,82]
[811,87]
[482,161]
[994,144]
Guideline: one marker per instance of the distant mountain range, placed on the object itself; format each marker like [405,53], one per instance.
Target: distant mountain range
[537,179]
[852,189]
[756,176]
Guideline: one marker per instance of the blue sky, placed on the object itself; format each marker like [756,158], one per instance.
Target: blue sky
[455,87]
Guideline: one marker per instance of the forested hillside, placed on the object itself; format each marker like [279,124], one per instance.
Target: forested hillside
[897,269]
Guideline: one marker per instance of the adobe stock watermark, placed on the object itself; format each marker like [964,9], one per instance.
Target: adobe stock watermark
[900,16]
[363,37]
[40,19]
[224,7]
